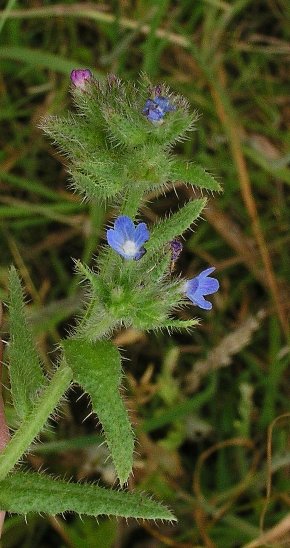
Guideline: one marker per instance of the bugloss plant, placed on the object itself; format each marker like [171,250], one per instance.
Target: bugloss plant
[119,148]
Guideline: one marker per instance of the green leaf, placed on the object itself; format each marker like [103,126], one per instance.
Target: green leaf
[192,174]
[89,186]
[175,125]
[97,368]
[128,132]
[24,492]
[26,375]
[72,134]
[99,177]
[179,324]
[176,224]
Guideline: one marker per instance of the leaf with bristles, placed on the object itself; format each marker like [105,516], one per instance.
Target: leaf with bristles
[73,135]
[167,229]
[27,492]
[26,376]
[192,174]
[91,187]
[97,368]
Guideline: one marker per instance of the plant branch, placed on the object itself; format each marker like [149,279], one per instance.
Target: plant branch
[35,420]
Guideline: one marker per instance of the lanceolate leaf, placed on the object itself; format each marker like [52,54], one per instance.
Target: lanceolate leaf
[192,174]
[97,368]
[175,225]
[24,492]
[26,376]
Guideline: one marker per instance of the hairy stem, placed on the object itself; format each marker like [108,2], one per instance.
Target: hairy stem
[132,201]
[35,420]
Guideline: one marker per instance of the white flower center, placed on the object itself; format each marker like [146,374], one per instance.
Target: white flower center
[130,248]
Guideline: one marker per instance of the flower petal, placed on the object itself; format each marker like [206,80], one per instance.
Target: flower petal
[155,114]
[115,240]
[141,234]
[204,304]
[176,248]
[125,227]
[148,105]
[164,103]
[208,286]
[207,271]
[191,286]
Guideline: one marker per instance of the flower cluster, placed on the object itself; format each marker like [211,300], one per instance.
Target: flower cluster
[126,238]
[128,241]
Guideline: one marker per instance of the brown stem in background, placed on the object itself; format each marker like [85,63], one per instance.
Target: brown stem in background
[4,432]
[232,129]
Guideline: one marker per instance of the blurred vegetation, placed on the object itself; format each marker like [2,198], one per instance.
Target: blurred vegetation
[202,403]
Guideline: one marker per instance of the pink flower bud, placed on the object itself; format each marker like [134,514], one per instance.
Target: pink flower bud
[79,77]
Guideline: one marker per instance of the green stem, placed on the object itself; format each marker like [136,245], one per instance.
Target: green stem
[132,201]
[35,420]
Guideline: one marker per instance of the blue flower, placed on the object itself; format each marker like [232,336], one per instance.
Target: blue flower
[201,285]
[127,239]
[153,112]
[155,109]
[164,104]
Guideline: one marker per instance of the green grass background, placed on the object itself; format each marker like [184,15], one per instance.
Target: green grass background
[202,403]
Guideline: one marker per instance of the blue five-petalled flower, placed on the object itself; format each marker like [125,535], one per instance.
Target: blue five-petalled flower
[199,286]
[127,239]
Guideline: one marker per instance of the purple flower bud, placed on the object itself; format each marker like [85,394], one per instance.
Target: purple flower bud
[79,77]
[157,90]
[176,248]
